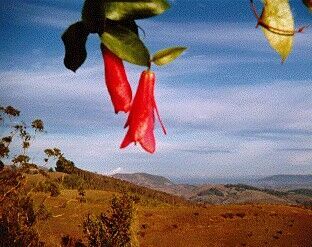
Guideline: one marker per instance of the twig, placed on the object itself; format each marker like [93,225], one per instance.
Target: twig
[274,29]
[56,216]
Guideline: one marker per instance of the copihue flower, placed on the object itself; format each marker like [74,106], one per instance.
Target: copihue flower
[116,81]
[141,119]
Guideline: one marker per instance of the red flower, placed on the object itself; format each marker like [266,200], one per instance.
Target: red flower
[141,118]
[116,81]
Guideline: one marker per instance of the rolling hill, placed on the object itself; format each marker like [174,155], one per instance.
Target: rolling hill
[225,194]
[168,220]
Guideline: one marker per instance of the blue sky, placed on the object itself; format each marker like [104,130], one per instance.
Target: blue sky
[230,107]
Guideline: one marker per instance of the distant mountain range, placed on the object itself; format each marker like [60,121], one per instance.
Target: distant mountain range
[279,189]
[282,180]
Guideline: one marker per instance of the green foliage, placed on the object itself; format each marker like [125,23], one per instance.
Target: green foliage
[113,229]
[65,165]
[305,192]
[168,55]
[10,111]
[243,187]
[142,194]
[4,150]
[20,159]
[50,186]
[73,181]
[17,216]
[114,21]
[95,11]
[127,10]
[18,130]
[38,125]
[211,191]
[125,44]
[53,152]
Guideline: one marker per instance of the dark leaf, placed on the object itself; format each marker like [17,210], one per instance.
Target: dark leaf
[93,15]
[74,39]
[308,3]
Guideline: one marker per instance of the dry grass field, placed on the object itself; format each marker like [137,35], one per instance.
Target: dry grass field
[231,225]
[163,219]
[167,225]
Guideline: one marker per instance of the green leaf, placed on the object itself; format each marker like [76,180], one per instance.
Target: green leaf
[125,44]
[136,9]
[74,39]
[278,18]
[166,56]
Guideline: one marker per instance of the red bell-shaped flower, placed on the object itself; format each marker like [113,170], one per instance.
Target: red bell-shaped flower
[116,81]
[141,118]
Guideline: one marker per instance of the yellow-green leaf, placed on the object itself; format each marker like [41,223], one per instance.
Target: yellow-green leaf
[167,55]
[135,9]
[125,44]
[279,26]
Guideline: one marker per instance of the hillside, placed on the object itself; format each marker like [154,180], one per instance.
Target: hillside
[144,179]
[222,194]
[160,225]
[157,183]
[165,220]
[290,181]
[93,181]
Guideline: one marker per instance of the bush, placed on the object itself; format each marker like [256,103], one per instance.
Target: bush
[17,216]
[81,195]
[68,241]
[73,181]
[115,229]
[49,186]
[43,213]
[211,191]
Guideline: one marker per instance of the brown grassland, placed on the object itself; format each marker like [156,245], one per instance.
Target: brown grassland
[165,220]
[162,224]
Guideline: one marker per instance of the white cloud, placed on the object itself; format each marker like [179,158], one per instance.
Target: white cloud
[286,105]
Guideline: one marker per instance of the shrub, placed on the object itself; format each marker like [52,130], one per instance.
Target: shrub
[211,191]
[73,181]
[43,213]
[81,194]
[68,241]
[115,229]
[17,216]
[49,186]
